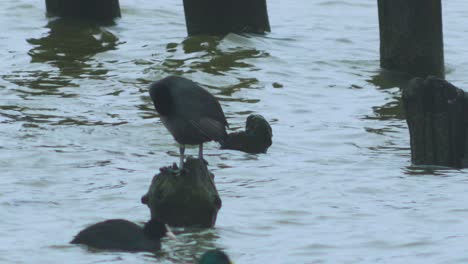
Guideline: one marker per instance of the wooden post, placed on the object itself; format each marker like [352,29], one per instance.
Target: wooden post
[90,9]
[435,113]
[217,17]
[411,38]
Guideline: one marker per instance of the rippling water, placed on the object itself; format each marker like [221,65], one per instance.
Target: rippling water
[80,140]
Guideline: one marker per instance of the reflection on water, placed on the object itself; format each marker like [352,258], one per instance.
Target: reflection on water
[68,46]
[199,43]
[58,60]
[47,82]
[424,170]
[391,112]
[387,81]
[213,55]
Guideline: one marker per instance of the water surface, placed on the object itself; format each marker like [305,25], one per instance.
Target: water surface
[80,141]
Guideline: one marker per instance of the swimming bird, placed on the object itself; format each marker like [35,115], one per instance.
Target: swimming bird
[119,234]
[191,114]
[215,256]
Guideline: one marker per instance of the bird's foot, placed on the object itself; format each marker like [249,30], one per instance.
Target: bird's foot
[178,171]
[182,171]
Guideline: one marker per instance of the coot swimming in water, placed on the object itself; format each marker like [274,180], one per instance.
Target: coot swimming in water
[215,256]
[189,112]
[119,234]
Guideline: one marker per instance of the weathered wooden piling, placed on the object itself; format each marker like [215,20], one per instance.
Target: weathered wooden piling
[411,38]
[188,198]
[255,139]
[90,9]
[217,17]
[435,113]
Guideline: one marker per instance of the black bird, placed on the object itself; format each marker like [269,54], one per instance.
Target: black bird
[119,234]
[215,256]
[189,112]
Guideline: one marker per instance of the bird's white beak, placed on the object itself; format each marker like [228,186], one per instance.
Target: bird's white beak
[169,233]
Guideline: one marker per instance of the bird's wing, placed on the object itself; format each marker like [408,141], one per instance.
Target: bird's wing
[211,128]
[193,102]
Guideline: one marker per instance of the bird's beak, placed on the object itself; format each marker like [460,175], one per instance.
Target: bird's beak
[169,233]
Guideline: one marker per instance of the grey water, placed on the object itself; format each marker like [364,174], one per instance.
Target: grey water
[80,141]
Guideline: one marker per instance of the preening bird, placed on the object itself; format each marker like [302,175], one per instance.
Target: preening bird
[189,112]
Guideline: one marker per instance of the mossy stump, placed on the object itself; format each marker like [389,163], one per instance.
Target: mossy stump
[411,36]
[219,17]
[437,121]
[186,198]
[255,139]
[89,9]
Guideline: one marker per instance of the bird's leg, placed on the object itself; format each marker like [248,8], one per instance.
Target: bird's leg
[200,152]
[182,150]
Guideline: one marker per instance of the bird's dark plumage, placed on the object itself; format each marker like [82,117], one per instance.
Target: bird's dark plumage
[215,256]
[119,234]
[190,113]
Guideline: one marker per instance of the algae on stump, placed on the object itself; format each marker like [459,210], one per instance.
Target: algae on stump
[188,198]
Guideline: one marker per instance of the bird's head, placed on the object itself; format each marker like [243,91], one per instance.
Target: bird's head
[157,229]
[161,96]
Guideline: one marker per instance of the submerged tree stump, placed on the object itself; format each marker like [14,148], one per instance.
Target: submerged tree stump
[435,113]
[411,38]
[217,17]
[185,199]
[255,139]
[90,9]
